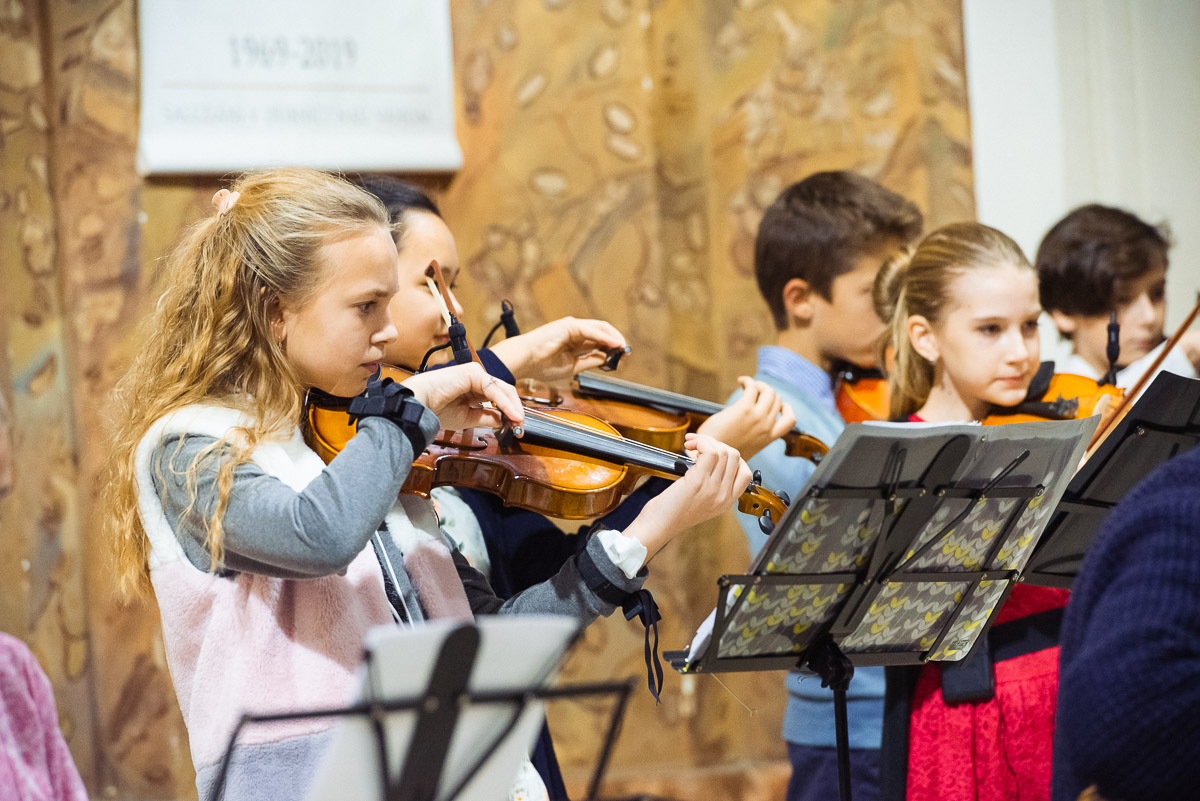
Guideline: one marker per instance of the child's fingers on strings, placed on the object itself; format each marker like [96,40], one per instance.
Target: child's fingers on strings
[587,359]
[704,461]
[456,392]
[730,465]
[776,401]
[720,473]
[504,397]
[479,416]
[737,478]
[569,335]
[712,452]
[591,342]
[785,422]
[750,391]
[766,405]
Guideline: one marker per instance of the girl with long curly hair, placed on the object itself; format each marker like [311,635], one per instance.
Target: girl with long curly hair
[269,566]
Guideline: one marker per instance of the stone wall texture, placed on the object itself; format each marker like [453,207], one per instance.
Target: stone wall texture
[618,157]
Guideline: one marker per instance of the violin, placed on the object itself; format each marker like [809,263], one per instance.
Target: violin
[566,464]
[650,415]
[646,424]
[1057,396]
[861,393]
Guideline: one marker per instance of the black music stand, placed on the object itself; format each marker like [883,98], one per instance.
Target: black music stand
[1162,423]
[901,545]
[416,761]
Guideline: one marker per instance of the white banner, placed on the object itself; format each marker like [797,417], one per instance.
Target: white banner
[355,85]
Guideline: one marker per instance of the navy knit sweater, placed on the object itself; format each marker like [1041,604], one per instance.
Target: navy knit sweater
[1129,685]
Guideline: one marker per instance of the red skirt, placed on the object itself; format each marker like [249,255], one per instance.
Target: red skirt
[999,749]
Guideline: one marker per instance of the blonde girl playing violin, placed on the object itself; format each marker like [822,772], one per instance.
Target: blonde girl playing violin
[963,311]
[963,308]
[267,565]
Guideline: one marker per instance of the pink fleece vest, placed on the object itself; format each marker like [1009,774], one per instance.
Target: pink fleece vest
[251,643]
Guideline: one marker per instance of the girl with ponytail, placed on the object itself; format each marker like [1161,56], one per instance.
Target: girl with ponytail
[963,310]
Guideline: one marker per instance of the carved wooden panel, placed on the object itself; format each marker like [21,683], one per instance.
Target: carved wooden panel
[618,156]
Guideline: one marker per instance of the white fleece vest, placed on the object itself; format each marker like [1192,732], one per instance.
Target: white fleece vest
[251,643]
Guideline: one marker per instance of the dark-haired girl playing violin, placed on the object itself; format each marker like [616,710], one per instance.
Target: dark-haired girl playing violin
[550,353]
[517,548]
[963,313]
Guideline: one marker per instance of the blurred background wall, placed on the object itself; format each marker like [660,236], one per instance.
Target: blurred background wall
[618,157]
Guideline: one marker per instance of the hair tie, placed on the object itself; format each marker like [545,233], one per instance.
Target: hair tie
[223,200]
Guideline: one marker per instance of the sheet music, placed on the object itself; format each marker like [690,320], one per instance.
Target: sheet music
[832,541]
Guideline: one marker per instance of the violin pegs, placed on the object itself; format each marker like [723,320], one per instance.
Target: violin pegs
[614,358]
[766,523]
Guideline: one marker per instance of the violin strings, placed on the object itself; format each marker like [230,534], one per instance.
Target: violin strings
[672,402]
[629,390]
[555,420]
[656,458]
[605,439]
[602,439]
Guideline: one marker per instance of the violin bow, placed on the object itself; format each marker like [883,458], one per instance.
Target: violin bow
[459,343]
[1145,376]
[437,285]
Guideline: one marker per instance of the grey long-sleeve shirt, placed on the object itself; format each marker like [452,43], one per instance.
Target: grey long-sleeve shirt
[271,529]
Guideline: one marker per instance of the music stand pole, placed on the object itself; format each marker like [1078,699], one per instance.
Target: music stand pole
[827,660]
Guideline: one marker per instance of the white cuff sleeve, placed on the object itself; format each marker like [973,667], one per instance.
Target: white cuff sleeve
[625,552]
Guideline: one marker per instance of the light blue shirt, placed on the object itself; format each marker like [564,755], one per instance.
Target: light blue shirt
[792,368]
[808,389]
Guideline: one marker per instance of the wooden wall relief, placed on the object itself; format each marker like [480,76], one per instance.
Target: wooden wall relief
[618,157]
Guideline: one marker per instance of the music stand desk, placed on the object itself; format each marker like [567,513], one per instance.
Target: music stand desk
[1161,424]
[445,710]
[901,545]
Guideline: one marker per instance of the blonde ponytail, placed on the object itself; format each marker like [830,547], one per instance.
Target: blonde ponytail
[209,339]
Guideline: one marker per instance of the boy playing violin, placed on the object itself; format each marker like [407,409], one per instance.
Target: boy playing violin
[818,249]
[1098,260]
